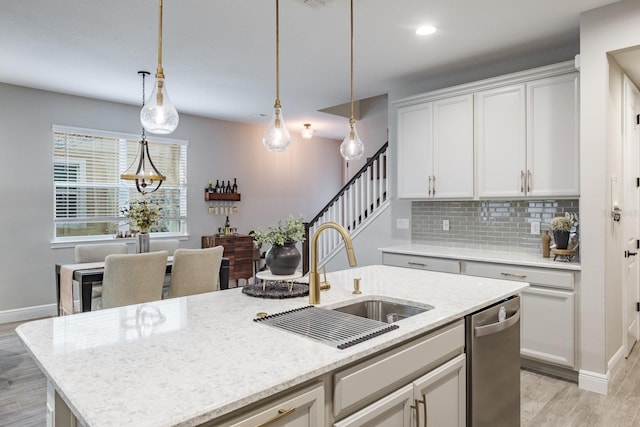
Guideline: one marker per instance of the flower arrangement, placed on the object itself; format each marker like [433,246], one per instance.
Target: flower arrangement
[143,213]
[561,223]
[277,235]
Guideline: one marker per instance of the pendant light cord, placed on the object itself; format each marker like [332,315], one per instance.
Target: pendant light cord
[352,119]
[277,104]
[160,71]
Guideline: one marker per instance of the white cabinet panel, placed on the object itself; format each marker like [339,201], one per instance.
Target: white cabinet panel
[393,410]
[422,263]
[500,136]
[415,148]
[553,136]
[443,391]
[302,409]
[453,148]
[548,326]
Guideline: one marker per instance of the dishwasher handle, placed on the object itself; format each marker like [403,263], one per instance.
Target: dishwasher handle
[481,331]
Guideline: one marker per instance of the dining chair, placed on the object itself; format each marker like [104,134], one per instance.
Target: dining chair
[195,271]
[133,278]
[95,253]
[164,245]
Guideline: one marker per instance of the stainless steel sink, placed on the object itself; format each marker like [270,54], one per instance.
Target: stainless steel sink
[383,311]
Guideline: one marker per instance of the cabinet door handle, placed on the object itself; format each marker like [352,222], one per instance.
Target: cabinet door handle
[529,181]
[416,264]
[417,412]
[434,185]
[429,184]
[522,181]
[423,402]
[627,254]
[519,276]
[281,414]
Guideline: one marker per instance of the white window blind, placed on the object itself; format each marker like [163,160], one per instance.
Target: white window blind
[89,193]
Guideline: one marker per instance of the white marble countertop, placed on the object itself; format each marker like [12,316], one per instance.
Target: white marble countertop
[183,361]
[483,255]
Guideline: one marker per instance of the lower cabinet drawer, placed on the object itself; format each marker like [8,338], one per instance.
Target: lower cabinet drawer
[422,263]
[541,276]
[367,381]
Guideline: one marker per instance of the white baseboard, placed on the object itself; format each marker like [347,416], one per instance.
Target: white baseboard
[593,381]
[28,313]
[615,362]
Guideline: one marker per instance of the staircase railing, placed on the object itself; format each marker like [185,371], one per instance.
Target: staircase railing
[355,204]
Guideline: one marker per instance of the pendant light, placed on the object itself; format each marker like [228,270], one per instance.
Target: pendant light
[276,137]
[159,115]
[352,147]
[307,132]
[147,177]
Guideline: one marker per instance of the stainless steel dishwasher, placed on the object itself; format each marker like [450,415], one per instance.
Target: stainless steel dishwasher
[493,365]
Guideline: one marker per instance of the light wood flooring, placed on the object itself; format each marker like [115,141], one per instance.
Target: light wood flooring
[545,401]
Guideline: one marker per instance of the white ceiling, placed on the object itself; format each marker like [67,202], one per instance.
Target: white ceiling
[219,56]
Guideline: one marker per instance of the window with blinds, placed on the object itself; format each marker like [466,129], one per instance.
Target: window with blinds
[89,193]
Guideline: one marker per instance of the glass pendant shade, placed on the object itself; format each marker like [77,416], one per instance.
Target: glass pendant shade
[276,137]
[158,114]
[352,147]
[307,132]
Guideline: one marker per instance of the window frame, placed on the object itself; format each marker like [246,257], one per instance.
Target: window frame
[121,139]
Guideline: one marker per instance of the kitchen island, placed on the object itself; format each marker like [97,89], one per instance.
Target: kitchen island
[190,360]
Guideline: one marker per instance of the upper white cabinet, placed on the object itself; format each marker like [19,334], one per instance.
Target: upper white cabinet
[510,137]
[553,156]
[436,149]
[500,135]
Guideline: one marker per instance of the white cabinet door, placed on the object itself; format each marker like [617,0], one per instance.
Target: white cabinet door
[393,410]
[548,326]
[553,137]
[305,409]
[415,151]
[453,148]
[500,136]
[441,395]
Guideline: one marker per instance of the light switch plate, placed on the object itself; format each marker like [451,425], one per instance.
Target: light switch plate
[535,227]
[402,223]
[445,224]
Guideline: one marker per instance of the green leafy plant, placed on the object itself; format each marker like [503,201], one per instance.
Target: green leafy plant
[142,213]
[561,223]
[277,235]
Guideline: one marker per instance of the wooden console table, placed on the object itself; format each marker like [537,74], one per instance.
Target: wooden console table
[238,249]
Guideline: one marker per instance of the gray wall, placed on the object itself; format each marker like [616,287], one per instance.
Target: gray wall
[273,185]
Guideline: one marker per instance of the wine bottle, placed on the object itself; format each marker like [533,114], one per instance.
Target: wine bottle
[227,226]
[210,189]
[216,189]
[228,188]
[234,188]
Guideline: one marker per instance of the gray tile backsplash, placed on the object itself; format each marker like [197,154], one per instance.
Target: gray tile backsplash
[501,225]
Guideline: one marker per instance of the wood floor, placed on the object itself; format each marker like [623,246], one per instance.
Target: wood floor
[545,401]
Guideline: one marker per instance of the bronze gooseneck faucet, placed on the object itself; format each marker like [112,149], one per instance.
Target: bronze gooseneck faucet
[314,276]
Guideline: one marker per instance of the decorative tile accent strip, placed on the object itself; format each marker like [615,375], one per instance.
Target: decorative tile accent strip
[486,224]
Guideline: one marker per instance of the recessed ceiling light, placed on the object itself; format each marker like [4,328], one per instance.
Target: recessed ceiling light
[425,30]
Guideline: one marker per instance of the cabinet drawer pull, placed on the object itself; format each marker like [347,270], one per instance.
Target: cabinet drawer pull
[416,264]
[434,185]
[522,181]
[429,184]
[519,276]
[281,414]
[528,181]
[417,413]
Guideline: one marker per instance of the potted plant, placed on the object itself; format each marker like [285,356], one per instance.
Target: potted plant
[143,214]
[283,257]
[561,226]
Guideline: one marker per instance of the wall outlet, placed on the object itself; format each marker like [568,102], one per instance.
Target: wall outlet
[402,223]
[445,224]
[535,227]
